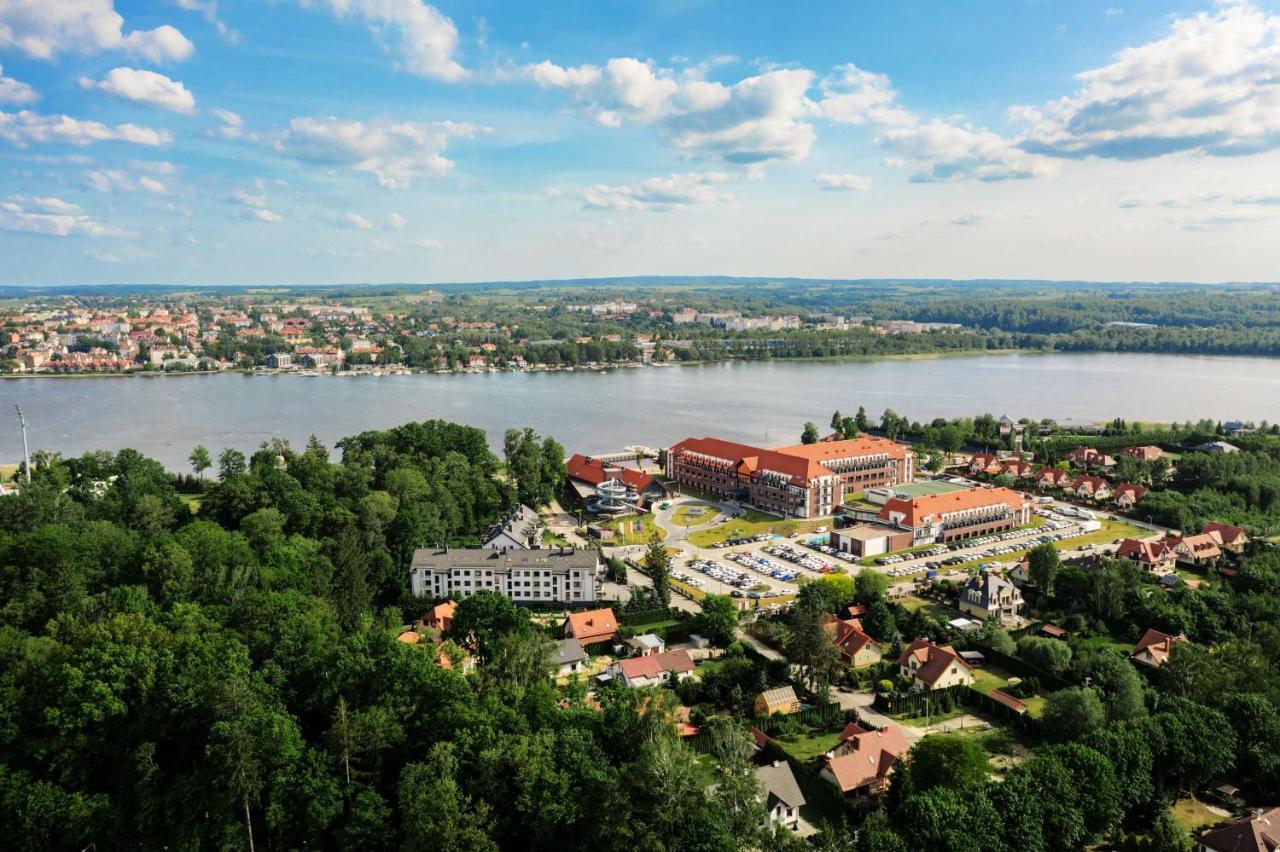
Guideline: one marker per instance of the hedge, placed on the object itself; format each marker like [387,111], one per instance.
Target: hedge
[1021,668]
[914,703]
[649,616]
[822,716]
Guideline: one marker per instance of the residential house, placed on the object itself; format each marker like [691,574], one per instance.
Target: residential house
[279,360]
[1259,832]
[591,626]
[1230,538]
[984,463]
[1195,550]
[1091,487]
[1089,457]
[1217,447]
[1052,477]
[933,666]
[860,763]
[653,670]
[780,699]
[782,796]
[857,648]
[1018,469]
[646,645]
[569,657]
[987,595]
[440,616]
[1146,454]
[1154,648]
[1154,555]
[1127,495]
[519,528]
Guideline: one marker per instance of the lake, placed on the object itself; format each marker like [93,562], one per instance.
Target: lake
[761,402]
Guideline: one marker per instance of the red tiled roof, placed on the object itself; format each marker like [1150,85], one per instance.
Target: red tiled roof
[1144,551]
[934,659]
[595,471]
[801,462]
[1226,532]
[591,625]
[916,510]
[677,662]
[863,445]
[851,639]
[1137,491]
[1008,701]
[869,757]
[1259,833]
[1161,644]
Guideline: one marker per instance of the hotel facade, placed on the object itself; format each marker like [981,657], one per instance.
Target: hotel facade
[560,576]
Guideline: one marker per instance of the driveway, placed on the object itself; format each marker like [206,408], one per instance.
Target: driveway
[861,702]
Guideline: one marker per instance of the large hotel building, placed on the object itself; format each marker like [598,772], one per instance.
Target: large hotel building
[802,481]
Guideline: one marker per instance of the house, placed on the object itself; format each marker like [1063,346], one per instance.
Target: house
[1018,469]
[860,763]
[1052,477]
[569,657]
[987,595]
[780,699]
[591,626]
[1154,648]
[782,796]
[440,616]
[957,514]
[646,645]
[1089,457]
[546,576]
[1155,555]
[586,476]
[984,463]
[1091,487]
[279,360]
[1196,549]
[653,670]
[1217,447]
[1230,538]
[856,647]
[1127,495]
[933,666]
[803,481]
[1146,454]
[1257,833]
[519,528]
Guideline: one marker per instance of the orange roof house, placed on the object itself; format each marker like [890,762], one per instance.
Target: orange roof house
[1229,537]
[933,666]
[861,762]
[591,626]
[440,616]
[1257,833]
[1154,648]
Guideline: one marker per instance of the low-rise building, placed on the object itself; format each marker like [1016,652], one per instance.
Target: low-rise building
[782,796]
[780,699]
[1146,454]
[1154,648]
[1091,487]
[519,528]
[859,765]
[1127,495]
[957,514]
[1230,538]
[591,626]
[1155,555]
[857,647]
[569,657]
[987,595]
[1258,832]
[646,645]
[1089,457]
[562,575]
[931,666]
[866,540]
[653,670]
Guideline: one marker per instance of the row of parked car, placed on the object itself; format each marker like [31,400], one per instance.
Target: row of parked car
[764,566]
[820,544]
[799,557]
[739,542]
[723,573]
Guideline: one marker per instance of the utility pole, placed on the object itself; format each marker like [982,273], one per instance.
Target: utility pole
[26,454]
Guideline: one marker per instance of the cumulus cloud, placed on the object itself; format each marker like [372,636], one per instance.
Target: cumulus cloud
[49,216]
[829,182]
[46,28]
[360,223]
[264,215]
[853,95]
[254,200]
[118,180]
[144,87]
[209,9]
[396,222]
[422,38]
[26,127]
[659,193]
[759,119]
[1211,85]
[232,124]
[15,92]
[396,153]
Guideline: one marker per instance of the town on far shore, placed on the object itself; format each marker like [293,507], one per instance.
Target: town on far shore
[853,595]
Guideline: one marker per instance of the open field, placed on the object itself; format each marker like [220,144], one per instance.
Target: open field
[693,514]
[752,523]
[989,678]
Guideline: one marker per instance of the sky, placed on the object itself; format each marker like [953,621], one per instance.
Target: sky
[351,141]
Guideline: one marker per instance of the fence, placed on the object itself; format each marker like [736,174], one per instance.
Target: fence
[917,703]
[648,616]
[822,716]
[1021,668]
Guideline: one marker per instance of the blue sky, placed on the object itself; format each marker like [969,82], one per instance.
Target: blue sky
[318,141]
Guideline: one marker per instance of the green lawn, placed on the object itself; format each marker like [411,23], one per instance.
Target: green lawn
[706,769]
[753,523]
[1193,814]
[807,746]
[990,678]
[694,514]
[634,530]
[933,719]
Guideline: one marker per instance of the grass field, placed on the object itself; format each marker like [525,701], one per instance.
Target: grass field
[693,514]
[990,678]
[751,523]
[805,747]
[1193,814]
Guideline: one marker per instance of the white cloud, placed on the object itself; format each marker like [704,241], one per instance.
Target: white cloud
[756,120]
[427,243]
[418,33]
[396,222]
[852,95]
[15,92]
[360,223]
[250,199]
[26,127]
[255,202]
[1211,85]
[209,9]
[396,153]
[46,28]
[50,216]
[829,182]
[117,180]
[264,215]
[145,87]
[658,194]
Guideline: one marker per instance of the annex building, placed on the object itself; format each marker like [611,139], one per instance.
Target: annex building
[802,481]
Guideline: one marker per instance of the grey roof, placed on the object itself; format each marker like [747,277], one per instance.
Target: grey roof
[520,523]
[647,640]
[481,557]
[780,783]
[568,651]
[988,585]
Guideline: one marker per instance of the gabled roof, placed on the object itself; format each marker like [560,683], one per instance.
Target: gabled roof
[779,785]
[1227,533]
[920,510]
[988,586]
[676,662]
[568,651]
[780,696]
[851,639]
[591,623]
[933,660]
[1145,551]
[1260,833]
[1159,645]
[1136,491]
[869,756]
[441,615]
[594,471]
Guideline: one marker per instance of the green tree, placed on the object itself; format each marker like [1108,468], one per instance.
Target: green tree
[484,617]
[810,434]
[945,760]
[718,620]
[436,814]
[657,564]
[1071,713]
[200,460]
[1043,564]
[231,463]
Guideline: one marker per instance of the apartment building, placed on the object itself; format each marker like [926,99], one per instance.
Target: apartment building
[560,576]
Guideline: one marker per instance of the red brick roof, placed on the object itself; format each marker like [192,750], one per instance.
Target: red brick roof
[1226,532]
[595,471]
[869,757]
[1259,833]
[801,462]
[591,625]
[677,662]
[934,660]
[919,510]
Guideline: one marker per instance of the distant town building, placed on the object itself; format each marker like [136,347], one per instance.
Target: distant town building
[561,576]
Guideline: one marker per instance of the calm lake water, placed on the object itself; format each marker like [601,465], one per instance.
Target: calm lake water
[597,412]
